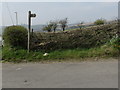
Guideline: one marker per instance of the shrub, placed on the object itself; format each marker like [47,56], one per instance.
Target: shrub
[15,36]
[99,22]
[115,41]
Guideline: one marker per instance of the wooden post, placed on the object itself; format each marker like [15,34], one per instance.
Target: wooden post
[29,29]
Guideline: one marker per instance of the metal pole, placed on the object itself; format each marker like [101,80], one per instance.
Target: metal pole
[29,28]
[16,18]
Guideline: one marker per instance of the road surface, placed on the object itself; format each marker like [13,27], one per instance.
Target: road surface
[90,74]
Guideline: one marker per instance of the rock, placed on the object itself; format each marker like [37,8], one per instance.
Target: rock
[45,54]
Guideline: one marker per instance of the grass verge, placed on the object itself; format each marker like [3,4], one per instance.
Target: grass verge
[21,55]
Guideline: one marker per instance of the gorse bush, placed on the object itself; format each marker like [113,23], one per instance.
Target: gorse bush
[15,36]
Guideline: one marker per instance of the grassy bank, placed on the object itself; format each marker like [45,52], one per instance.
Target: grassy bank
[20,55]
[98,41]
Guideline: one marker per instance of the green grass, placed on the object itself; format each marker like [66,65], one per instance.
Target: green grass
[19,55]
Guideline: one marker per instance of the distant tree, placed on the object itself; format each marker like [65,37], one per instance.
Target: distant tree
[99,22]
[80,25]
[54,25]
[48,27]
[63,23]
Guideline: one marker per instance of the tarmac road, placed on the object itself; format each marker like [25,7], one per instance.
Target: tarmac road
[90,74]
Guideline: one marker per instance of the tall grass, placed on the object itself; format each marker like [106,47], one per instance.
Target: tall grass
[19,55]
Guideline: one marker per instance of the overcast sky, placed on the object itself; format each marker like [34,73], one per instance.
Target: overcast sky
[75,12]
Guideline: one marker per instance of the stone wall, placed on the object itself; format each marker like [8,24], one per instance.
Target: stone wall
[80,38]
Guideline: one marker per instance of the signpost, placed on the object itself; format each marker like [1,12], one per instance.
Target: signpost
[29,28]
